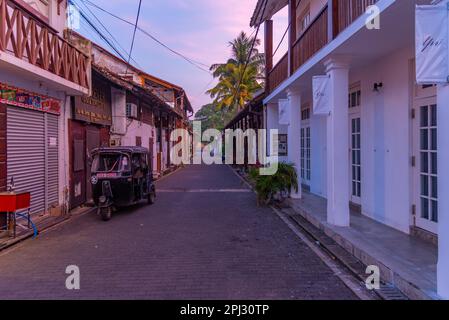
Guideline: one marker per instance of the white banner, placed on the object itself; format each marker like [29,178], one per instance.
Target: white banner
[432,62]
[321,95]
[284,111]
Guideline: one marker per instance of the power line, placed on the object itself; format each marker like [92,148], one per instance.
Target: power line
[283,37]
[106,29]
[92,25]
[193,62]
[134,34]
[282,40]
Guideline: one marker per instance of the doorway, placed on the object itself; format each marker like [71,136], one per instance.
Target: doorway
[425,165]
[355,145]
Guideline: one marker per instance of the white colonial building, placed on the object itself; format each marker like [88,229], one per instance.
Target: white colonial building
[383,148]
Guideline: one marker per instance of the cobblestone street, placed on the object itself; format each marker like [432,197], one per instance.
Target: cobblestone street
[205,238]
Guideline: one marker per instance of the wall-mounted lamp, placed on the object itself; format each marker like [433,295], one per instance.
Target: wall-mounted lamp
[378,86]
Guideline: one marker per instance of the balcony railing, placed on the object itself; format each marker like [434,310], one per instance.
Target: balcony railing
[311,40]
[29,39]
[316,36]
[347,11]
[278,74]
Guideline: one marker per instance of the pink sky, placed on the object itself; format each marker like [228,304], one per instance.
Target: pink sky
[200,29]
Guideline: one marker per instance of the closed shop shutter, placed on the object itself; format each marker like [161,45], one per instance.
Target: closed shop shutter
[26,155]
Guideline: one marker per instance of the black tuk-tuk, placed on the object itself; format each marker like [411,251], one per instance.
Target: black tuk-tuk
[121,176]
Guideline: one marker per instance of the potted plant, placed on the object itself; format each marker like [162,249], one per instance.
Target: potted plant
[275,188]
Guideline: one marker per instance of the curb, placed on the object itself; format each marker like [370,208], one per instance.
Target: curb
[45,228]
[387,274]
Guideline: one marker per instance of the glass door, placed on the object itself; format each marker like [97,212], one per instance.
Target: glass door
[355,159]
[426,165]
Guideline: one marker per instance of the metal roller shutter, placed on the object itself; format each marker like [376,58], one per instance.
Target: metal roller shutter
[32,137]
[26,153]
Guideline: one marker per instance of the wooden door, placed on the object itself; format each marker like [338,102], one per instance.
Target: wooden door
[77,148]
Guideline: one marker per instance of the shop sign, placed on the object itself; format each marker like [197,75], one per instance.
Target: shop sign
[21,98]
[95,108]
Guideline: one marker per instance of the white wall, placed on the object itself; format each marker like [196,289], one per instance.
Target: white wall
[386,139]
[386,125]
[273,123]
[318,135]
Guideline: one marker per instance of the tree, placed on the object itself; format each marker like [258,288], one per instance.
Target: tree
[240,77]
[213,118]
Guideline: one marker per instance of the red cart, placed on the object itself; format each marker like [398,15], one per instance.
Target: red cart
[11,203]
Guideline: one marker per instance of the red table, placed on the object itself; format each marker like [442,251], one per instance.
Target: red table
[11,202]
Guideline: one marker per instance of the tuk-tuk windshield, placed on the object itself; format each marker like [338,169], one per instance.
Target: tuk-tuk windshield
[110,162]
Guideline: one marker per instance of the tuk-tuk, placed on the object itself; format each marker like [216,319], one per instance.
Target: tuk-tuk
[121,177]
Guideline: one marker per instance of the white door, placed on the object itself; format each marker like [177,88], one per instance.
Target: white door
[425,164]
[306,154]
[355,144]
[355,158]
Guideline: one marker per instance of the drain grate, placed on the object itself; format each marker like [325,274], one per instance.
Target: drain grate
[390,292]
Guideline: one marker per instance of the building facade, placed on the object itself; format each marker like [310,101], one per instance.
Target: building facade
[378,151]
[39,69]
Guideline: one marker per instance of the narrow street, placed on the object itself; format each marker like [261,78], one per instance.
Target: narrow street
[205,238]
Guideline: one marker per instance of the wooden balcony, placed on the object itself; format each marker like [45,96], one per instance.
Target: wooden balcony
[278,74]
[28,38]
[345,12]
[311,40]
[317,35]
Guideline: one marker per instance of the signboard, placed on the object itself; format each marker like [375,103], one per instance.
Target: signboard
[25,99]
[321,95]
[284,112]
[95,108]
[432,62]
[283,145]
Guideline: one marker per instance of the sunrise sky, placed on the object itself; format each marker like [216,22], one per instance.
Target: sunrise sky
[199,29]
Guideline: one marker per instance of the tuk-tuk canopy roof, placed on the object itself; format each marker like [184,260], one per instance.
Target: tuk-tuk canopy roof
[121,150]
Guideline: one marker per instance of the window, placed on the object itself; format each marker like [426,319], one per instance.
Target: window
[355,97]
[303,20]
[305,145]
[429,164]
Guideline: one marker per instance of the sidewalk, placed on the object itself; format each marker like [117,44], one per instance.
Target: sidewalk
[42,223]
[406,262]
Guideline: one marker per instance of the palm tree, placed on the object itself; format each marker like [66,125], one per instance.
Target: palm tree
[239,77]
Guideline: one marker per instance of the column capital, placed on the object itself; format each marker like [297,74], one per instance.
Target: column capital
[337,62]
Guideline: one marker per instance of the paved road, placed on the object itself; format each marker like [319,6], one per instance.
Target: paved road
[204,239]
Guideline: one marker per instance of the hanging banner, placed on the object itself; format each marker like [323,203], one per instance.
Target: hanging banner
[321,95]
[432,63]
[284,111]
[25,99]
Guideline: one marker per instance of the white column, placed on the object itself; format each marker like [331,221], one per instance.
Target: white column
[294,136]
[338,143]
[443,191]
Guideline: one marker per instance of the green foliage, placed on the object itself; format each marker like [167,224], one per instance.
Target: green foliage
[237,84]
[213,117]
[277,186]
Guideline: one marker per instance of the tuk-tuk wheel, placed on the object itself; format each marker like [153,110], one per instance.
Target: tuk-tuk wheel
[105,213]
[152,197]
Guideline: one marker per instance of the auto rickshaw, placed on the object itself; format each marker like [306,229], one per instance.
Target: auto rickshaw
[121,177]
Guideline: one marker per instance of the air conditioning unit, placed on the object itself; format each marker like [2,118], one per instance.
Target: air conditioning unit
[131,110]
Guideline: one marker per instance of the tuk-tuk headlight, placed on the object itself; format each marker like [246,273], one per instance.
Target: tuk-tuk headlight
[94,180]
